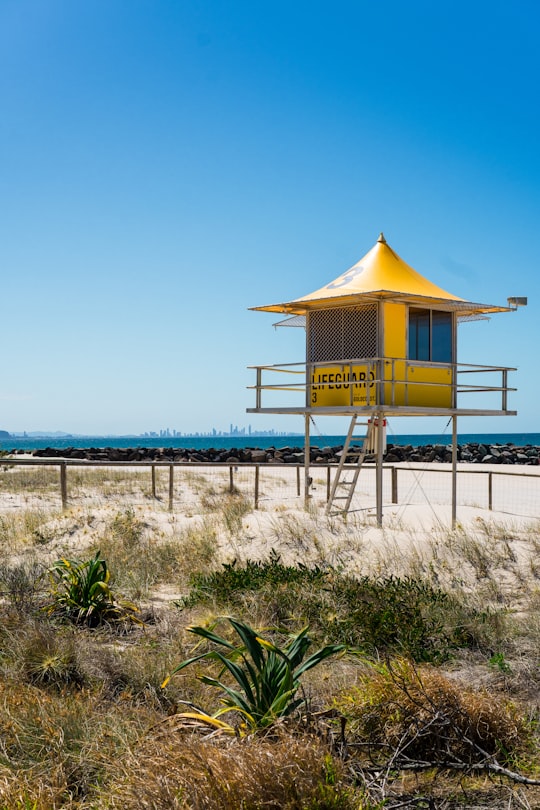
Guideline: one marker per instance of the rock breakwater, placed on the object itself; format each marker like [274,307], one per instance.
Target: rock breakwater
[472,453]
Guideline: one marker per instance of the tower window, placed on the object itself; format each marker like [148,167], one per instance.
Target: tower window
[430,335]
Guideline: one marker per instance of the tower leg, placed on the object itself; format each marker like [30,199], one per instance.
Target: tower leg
[307,457]
[454,471]
[379,469]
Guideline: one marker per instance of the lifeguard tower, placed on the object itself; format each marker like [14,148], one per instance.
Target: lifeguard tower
[381,341]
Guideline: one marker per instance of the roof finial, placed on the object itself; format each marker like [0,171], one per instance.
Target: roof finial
[381,238]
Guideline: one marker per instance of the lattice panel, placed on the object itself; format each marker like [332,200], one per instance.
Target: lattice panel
[346,333]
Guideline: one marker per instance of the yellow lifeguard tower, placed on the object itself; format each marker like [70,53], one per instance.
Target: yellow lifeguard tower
[381,340]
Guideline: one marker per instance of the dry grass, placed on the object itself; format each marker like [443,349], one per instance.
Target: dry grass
[430,717]
[170,771]
[22,529]
[85,724]
[54,754]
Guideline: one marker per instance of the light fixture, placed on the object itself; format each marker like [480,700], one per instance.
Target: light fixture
[517,302]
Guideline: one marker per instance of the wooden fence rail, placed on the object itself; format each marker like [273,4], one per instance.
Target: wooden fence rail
[259,469]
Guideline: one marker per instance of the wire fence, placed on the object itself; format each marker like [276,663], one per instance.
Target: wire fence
[188,487]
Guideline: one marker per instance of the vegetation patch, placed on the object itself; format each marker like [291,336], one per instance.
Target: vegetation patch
[374,614]
[253,575]
[81,592]
[139,557]
[266,677]
[420,715]
[86,724]
[285,772]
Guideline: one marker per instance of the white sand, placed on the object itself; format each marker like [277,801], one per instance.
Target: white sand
[422,515]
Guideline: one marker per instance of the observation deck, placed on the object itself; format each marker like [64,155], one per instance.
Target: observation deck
[393,386]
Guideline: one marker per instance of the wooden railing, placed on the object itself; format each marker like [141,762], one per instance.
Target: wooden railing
[296,472]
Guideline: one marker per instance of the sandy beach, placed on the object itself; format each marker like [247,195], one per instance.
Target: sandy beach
[281,522]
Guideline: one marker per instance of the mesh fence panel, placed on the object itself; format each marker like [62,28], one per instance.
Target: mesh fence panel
[196,488]
[29,487]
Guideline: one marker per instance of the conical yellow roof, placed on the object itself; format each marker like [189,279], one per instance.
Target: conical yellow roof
[381,273]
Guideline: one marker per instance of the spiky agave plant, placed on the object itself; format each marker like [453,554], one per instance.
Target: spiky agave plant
[266,678]
[50,658]
[81,592]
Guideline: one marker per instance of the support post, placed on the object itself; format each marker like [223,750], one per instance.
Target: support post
[258,391]
[454,471]
[154,481]
[171,487]
[379,471]
[490,491]
[298,481]
[63,485]
[327,484]
[231,480]
[307,456]
[394,485]
[257,487]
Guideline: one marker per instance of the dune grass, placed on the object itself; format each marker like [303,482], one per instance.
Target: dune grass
[441,675]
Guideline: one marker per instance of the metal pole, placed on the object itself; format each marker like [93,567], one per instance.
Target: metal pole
[307,455]
[258,392]
[257,487]
[394,485]
[379,470]
[171,486]
[327,484]
[63,485]
[454,471]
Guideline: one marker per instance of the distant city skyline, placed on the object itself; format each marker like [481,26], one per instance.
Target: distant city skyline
[234,430]
[162,433]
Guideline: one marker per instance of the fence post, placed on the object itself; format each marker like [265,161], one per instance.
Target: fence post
[298,481]
[257,487]
[171,486]
[63,484]
[231,480]
[327,484]
[490,491]
[153,481]
[394,485]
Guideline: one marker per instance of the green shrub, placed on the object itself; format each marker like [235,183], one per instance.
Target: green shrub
[81,592]
[381,614]
[393,613]
[251,576]
[266,678]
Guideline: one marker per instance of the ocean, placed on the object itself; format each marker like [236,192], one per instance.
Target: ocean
[226,442]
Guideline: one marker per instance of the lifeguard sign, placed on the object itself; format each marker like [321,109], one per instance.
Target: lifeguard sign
[381,340]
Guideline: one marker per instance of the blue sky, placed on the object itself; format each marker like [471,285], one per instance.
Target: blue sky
[166,165]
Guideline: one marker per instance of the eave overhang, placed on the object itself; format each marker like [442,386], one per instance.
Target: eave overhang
[464,308]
